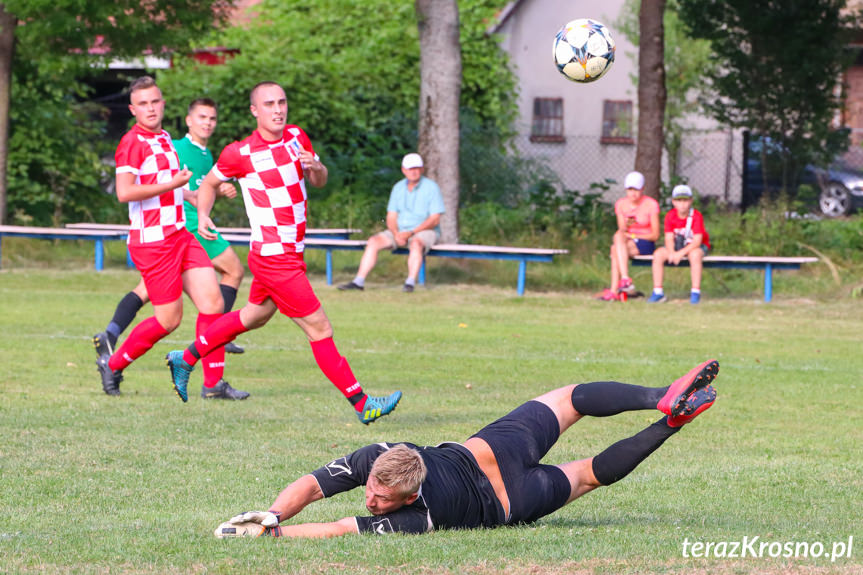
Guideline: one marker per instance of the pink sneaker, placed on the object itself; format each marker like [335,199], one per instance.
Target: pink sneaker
[607,295]
[626,286]
[674,400]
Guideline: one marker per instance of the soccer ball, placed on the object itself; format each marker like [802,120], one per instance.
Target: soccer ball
[583,50]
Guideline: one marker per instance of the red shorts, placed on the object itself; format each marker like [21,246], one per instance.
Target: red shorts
[162,264]
[282,278]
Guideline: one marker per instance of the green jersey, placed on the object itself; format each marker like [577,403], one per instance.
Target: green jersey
[199,160]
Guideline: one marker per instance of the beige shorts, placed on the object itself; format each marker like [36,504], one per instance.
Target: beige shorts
[427,237]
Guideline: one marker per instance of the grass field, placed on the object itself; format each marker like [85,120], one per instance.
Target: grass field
[136,484]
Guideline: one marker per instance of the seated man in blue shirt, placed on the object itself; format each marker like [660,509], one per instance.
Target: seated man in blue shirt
[413,220]
[495,477]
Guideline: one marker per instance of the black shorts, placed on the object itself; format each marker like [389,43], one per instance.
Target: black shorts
[519,440]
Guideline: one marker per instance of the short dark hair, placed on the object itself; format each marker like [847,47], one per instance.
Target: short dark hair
[260,85]
[209,102]
[141,83]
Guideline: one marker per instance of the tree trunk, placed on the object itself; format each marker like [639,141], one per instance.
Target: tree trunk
[651,95]
[8,22]
[440,93]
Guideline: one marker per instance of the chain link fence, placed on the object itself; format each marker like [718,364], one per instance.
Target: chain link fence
[710,162]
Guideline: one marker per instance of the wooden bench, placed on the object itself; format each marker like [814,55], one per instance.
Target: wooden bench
[470,251]
[96,236]
[766,263]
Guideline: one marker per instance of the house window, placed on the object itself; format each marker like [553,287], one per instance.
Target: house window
[547,120]
[617,122]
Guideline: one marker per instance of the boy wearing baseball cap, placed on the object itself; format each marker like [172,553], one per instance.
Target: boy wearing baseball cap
[685,237]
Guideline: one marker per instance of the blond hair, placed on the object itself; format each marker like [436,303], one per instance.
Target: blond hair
[400,468]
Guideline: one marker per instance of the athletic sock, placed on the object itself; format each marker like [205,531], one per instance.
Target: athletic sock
[220,332]
[696,291]
[142,338]
[620,459]
[125,313]
[229,295]
[658,290]
[410,282]
[360,281]
[213,365]
[338,371]
[604,398]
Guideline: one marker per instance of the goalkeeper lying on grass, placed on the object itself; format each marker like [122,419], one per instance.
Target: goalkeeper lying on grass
[495,477]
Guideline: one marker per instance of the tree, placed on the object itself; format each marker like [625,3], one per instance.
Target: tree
[59,35]
[440,89]
[777,67]
[651,95]
[687,62]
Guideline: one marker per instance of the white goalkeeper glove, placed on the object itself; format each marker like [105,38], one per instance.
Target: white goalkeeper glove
[265,518]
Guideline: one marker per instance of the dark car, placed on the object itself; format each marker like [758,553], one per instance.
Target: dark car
[839,188]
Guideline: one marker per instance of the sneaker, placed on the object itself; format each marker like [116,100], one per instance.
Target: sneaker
[408,288]
[110,379]
[674,400]
[223,390]
[657,298]
[180,371]
[626,286]
[694,297]
[377,407]
[699,401]
[351,286]
[103,344]
[607,295]
[231,347]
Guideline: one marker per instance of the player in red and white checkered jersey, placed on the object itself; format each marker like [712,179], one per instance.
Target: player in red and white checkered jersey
[273,166]
[169,258]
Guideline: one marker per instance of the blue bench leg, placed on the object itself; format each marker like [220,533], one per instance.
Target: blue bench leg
[522,271]
[329,267]
[768,283]
[422,275]
[99,256]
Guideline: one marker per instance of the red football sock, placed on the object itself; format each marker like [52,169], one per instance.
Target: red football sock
[337,370]
[213,364]
[220,332]
[139,342]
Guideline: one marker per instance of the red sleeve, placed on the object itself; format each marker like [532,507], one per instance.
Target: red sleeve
[129,156]
[669,225]
[230,162]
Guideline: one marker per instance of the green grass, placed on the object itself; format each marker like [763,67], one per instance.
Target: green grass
[137,484]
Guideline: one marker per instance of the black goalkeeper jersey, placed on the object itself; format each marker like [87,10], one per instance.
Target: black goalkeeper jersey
[455,494]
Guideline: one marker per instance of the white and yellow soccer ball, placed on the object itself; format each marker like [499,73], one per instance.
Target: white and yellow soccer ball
[583,50]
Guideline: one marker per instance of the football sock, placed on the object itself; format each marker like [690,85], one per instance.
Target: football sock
[125,313]
[220,332]
[360,281]
[337,370]
[604,398]
[620,459]
[142,338]
[229,295]
[213,365]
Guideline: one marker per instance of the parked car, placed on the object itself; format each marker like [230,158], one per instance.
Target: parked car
[839,188]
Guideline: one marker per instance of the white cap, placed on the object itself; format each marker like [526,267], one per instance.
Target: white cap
[634,180]
[412,161]
[681,191]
